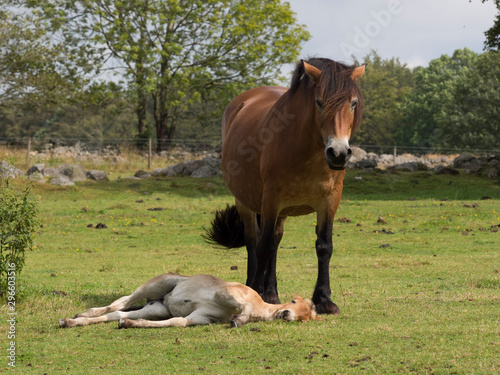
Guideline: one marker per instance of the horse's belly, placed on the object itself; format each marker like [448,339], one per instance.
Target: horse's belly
[297,211]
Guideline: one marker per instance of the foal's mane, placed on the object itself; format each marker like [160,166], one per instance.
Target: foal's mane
[336,86]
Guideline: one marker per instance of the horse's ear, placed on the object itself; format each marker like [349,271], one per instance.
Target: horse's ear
[358,72]
[313,72]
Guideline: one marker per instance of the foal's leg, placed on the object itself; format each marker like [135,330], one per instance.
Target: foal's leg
[121,303]
[197,317]
[151,290]
[153,310]
[324,249]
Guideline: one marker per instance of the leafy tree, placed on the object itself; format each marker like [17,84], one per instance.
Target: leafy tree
[102,112]
[493,33]
[385,85]
[435,86]
[471,119]
[178,52]
[34,69]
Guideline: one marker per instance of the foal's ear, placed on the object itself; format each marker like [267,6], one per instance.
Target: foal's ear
[313,72]
[358,72]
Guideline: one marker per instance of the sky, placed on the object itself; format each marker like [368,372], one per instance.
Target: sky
[415,31]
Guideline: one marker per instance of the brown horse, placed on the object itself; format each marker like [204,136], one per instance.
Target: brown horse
[284,153]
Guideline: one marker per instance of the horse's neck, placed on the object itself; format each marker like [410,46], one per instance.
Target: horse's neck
[299,107]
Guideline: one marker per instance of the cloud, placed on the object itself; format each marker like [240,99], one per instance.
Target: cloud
[414,31]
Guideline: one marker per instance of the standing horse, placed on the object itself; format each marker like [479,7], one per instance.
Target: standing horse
[284,153]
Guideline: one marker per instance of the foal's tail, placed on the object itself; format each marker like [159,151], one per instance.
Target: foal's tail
[227,229]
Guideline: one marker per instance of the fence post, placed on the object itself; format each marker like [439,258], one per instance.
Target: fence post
[394,155]
[28,153]
[149,153]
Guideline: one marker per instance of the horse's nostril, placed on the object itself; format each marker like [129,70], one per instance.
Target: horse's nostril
[330,153]
[349,154]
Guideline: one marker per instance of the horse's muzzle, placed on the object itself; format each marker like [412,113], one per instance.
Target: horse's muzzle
[337,157]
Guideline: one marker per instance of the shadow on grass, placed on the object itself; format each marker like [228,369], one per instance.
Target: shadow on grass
[378,185]
[182,186]
[358,185]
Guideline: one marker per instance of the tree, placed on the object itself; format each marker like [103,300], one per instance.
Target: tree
[385,84]
[471,119]
[435,86]
[179,52]
[34,70]
[492,41]
[37,73]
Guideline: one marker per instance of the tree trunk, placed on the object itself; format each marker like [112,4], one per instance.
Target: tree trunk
[141,113]
[165,131]
[164,134]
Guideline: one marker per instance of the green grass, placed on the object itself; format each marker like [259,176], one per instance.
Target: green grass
[428,303]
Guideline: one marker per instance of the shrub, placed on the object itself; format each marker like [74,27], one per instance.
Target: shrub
[18,223]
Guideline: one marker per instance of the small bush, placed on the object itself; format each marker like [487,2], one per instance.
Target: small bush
[18,223]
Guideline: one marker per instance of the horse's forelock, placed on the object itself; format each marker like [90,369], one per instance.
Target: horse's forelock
[337,87]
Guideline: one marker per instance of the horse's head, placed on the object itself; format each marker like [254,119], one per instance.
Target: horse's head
[338,106]
[298,309]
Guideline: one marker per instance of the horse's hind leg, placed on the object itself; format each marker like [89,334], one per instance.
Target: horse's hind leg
[251,236]
[270,281]
[264,282]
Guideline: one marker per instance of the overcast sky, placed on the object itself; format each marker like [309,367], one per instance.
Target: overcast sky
[415,31]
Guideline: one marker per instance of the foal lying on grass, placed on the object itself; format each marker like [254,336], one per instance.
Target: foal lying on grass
[181,301]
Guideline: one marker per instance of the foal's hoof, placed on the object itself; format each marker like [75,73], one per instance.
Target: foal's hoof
[235,323]
[327,307]
[124,323]
[63,323]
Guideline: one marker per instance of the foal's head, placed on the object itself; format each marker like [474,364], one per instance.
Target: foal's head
[299,309]
[337,102]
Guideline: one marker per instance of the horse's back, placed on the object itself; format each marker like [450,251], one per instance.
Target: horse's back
[248,108]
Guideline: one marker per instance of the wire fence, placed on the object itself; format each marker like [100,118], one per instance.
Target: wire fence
[130,144]
[193,145]
[104,144]
[120,154]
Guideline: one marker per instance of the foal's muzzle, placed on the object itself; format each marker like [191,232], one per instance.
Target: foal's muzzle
[284,314]
[337,154]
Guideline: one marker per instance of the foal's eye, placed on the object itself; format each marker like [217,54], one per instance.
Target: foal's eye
[294,301]
[353,104]
[319,103]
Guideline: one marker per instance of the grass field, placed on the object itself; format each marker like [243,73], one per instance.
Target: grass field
[418,294]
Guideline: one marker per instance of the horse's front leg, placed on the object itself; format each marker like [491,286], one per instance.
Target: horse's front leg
[324,249]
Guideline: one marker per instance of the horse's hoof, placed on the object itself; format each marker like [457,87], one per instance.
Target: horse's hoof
[271,298]
[123,323]
[63,323]
[327,308]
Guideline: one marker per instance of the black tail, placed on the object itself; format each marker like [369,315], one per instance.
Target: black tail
[227,229]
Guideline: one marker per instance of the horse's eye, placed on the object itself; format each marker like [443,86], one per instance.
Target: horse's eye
[294,301]
[353,104]
[319,103]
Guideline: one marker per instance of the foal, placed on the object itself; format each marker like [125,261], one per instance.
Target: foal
[180,301]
